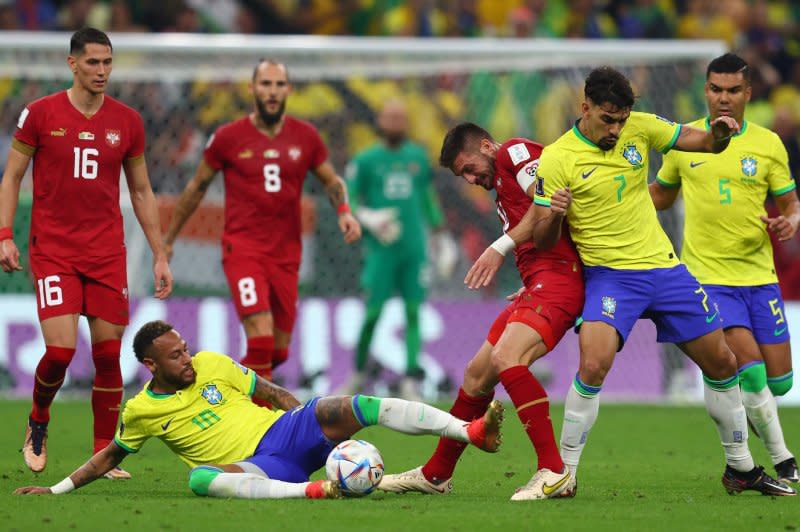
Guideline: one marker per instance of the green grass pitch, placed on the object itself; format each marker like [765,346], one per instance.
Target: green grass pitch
[645,468]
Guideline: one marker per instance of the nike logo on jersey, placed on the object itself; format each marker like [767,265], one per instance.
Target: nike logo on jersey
[778,332]
[711,318]
[585,175]
[165,426]
[693,164]
[547,489]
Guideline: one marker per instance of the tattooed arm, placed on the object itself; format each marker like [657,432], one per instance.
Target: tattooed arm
[337,195]
[97,466]
[279,397]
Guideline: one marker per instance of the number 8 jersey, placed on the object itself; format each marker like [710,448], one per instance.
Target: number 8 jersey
[263,182]
[77,163]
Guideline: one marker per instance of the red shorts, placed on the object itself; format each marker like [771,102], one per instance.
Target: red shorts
[96,287]
[549,305]
[258,285]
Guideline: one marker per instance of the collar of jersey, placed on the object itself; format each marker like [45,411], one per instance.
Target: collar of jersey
[580,135]
[741,131]
[156,395]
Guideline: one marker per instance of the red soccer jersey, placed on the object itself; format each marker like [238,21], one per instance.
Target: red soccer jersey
[76,171]
[515,169]
[263,183]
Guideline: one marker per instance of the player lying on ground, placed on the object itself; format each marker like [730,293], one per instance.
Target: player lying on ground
[527,330]
[256,453]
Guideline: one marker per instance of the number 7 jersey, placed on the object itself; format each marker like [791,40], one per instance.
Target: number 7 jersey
[263,182]
[77,164]
[612,219]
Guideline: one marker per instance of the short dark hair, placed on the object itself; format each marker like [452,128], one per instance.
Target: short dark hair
[269,61]
[607,85]
[84,36]
[460,138]
[145,336]
[729,64]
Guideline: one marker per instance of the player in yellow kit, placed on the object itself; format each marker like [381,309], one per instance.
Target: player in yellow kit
[726,245]
[630,268]
[201,408]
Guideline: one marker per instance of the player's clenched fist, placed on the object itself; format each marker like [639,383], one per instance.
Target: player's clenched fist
[560,201]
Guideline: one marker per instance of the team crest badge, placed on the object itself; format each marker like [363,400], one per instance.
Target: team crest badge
[749,166]
[294,153]
[211,394]
[632,155]
[113,137]
[609,306]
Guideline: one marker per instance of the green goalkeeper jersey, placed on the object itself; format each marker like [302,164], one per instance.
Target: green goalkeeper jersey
[401,178]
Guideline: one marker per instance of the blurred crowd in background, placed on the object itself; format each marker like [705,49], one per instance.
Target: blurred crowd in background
[539,105]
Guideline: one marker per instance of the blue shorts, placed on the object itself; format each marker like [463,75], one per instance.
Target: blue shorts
[758,308]
[294,447]
[670,297]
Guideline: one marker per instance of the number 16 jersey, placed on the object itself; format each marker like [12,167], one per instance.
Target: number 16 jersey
[263,182]
[77,164]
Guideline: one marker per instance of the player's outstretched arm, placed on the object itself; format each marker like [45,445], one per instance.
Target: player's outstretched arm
[336,190]
[146,210]
[714,140]
[97,466]
[663,197]
[16,165]
[279,397]
[187,203]
[785,226]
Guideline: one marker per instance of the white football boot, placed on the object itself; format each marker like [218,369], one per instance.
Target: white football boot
[547,485]
[414,481]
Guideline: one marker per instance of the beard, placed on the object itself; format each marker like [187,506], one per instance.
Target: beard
[394,138]
[268,118]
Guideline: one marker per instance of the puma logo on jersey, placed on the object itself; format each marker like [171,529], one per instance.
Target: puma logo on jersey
[60,132]
[246,154]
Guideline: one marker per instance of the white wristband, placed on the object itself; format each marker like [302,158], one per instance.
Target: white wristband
[503,245]
[65,486]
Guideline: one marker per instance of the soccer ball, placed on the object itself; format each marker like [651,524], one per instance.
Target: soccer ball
[357,466]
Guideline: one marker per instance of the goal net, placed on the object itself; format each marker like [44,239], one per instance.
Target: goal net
[186,85]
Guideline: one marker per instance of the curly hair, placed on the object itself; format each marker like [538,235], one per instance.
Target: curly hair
[145,336]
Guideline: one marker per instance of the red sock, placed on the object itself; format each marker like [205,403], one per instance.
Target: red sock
[48,379]
[259,359]
[279,356]
[106,391]
[533,409]
[441,465]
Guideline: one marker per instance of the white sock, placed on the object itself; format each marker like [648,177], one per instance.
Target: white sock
[411,417]
[762,410]
[250,486]
[580,413]
[725,408]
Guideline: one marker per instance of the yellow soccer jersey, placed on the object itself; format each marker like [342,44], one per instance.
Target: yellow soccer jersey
[725,242]
[213,421]
[612,219]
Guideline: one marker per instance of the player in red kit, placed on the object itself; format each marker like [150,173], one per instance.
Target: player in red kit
[80,140]
[530,327]
[264,158]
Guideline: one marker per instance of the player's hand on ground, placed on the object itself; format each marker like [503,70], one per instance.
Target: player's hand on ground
[349,227]
[560,201]
[9,256]
[515,295]
[724,127]
[162,277]
[780,226]
[32,490]
[483,271]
